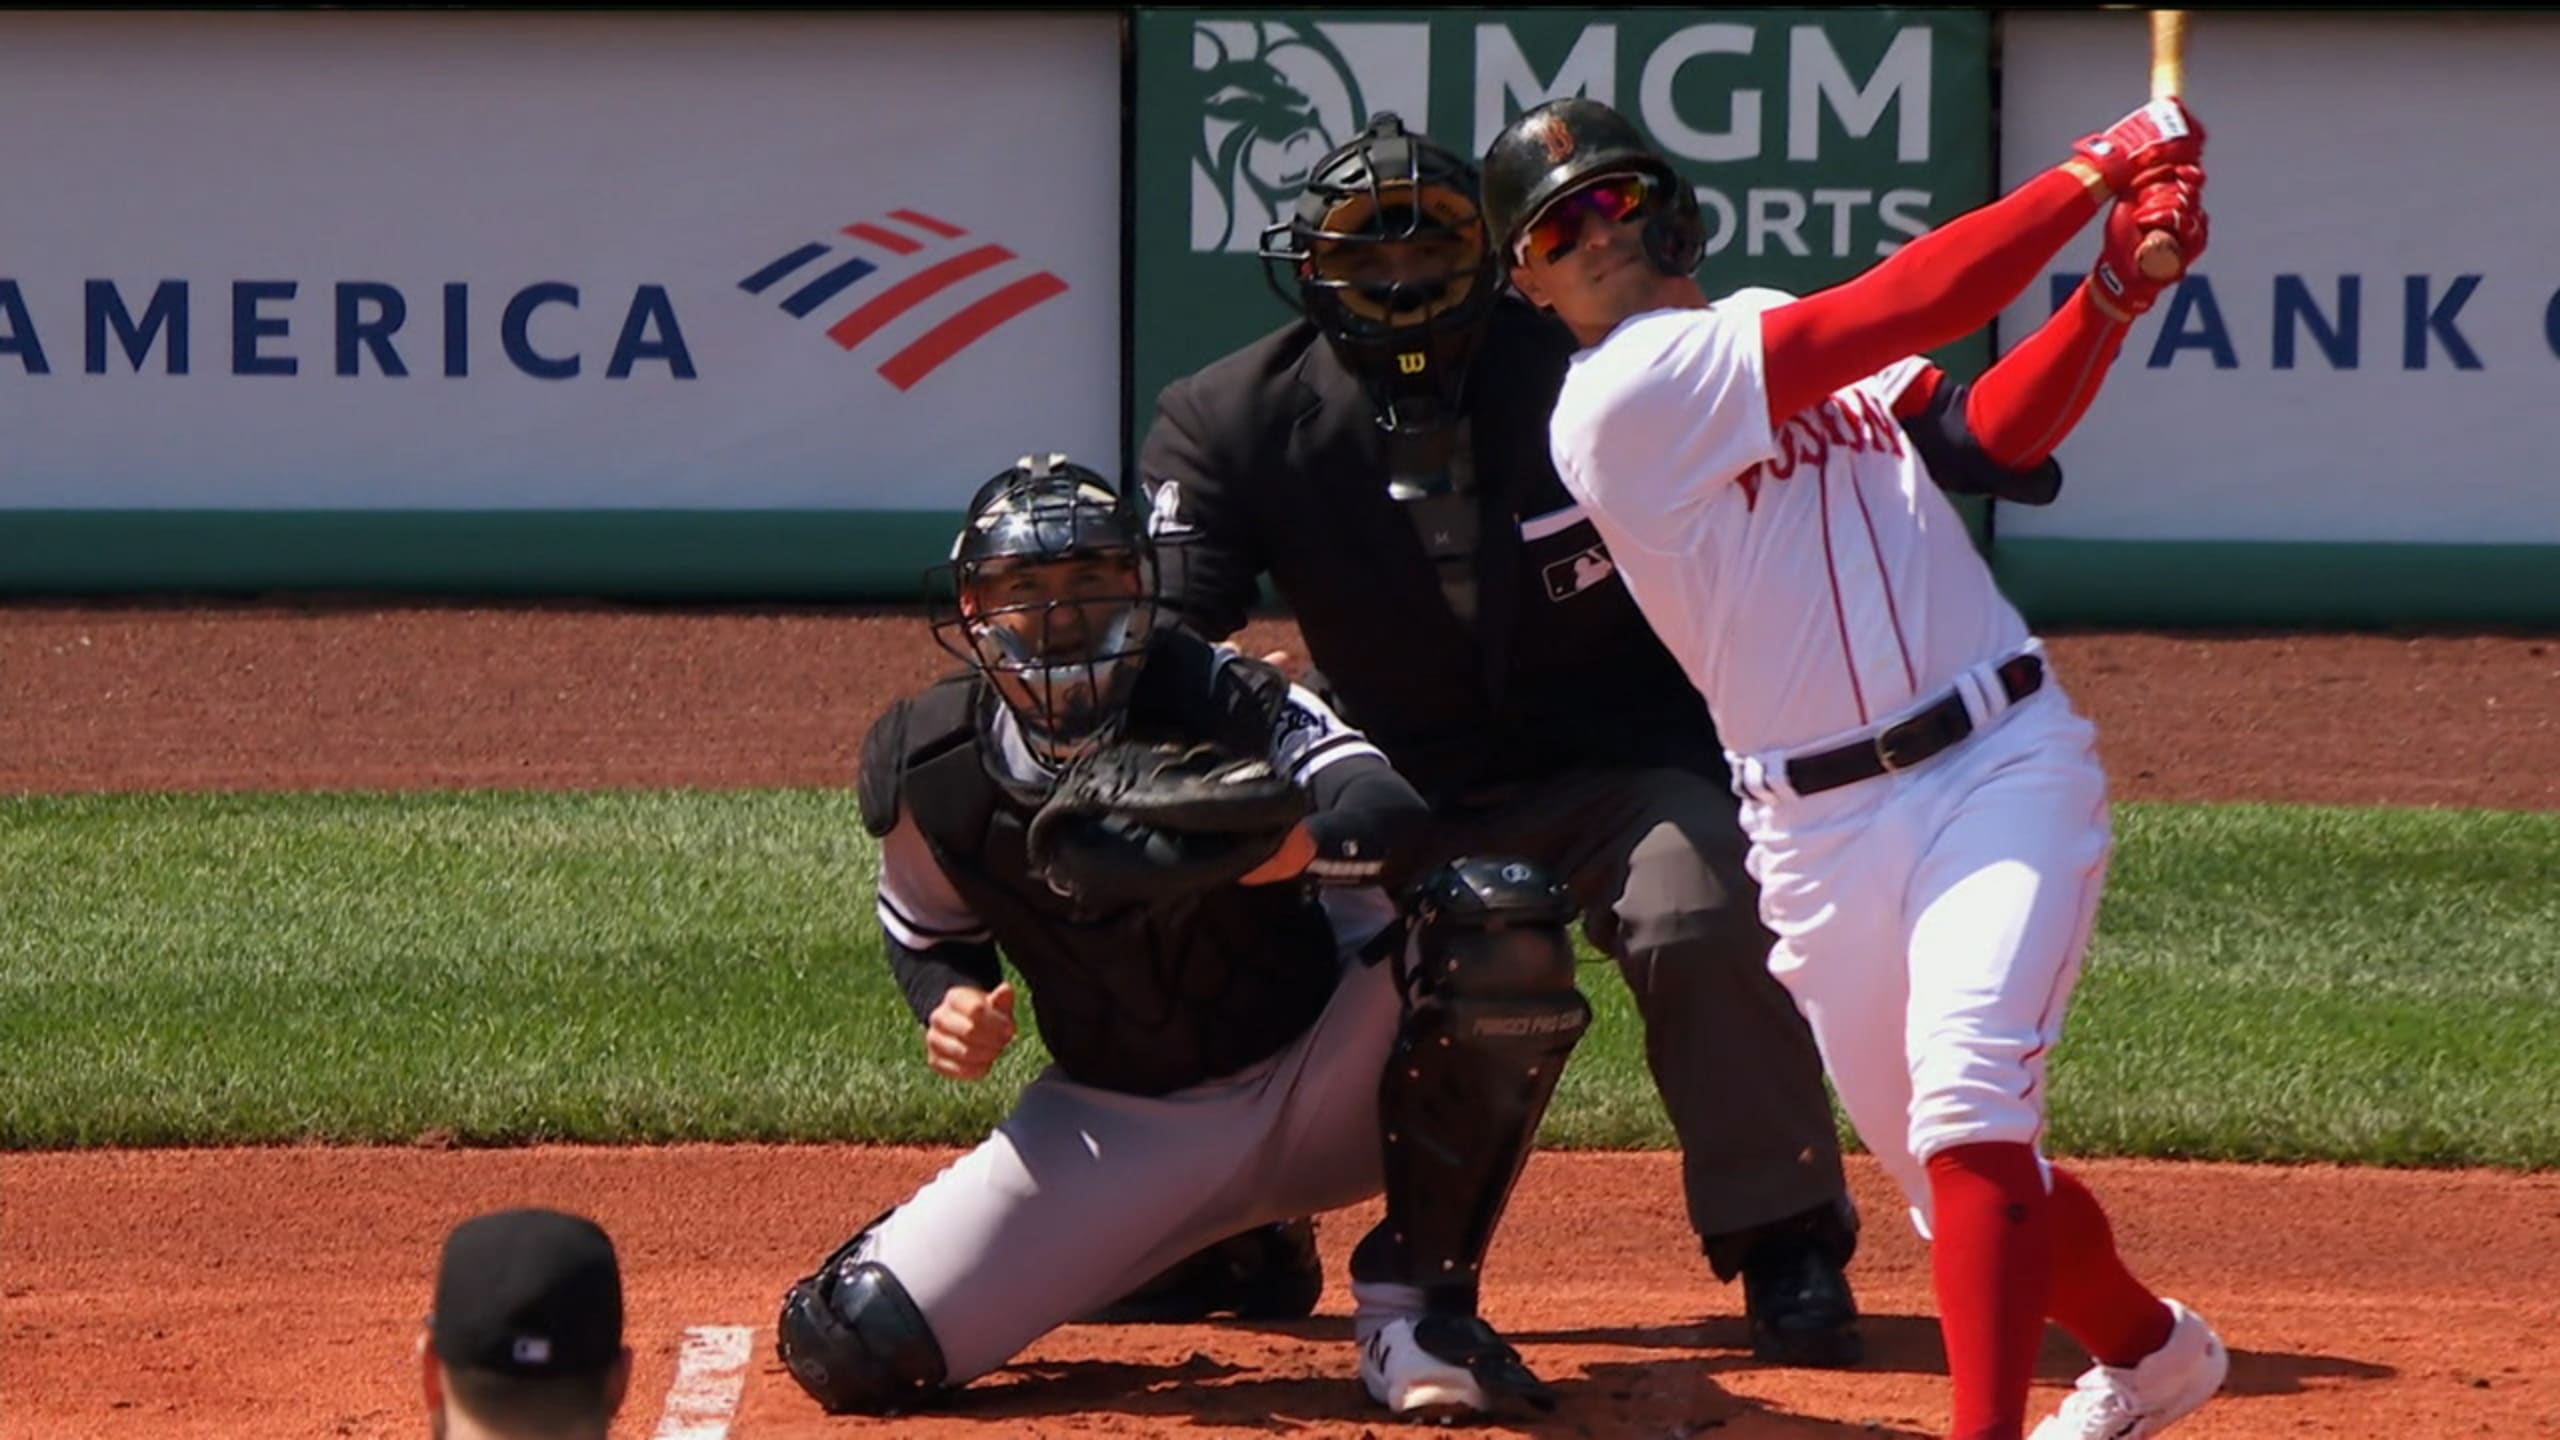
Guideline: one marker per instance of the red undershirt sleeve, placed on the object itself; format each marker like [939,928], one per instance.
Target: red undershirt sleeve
[2025,404]
[1940,287]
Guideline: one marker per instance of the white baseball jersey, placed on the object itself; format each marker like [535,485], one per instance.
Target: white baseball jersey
[1811,579]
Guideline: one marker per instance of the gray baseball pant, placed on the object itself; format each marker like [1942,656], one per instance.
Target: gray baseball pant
[1082,1194]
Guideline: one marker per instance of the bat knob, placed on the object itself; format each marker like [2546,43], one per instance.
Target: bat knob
[2158,257]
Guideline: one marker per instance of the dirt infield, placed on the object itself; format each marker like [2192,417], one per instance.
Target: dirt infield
[224,1295]
[273,1294]
[263,696]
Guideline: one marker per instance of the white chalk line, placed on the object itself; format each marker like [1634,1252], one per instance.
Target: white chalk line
[711,1373]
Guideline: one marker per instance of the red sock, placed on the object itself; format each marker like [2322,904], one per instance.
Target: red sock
[2114,1315]
[1991,1252]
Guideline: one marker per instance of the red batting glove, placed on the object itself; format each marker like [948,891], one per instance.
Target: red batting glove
[2160,133]
[2169,198]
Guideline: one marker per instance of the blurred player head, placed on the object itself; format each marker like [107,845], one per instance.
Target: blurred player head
[1053,598]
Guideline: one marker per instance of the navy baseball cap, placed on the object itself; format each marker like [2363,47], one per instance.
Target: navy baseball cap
[529,1293]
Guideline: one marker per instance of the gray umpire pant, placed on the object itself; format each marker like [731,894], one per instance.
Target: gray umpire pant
[1655,857]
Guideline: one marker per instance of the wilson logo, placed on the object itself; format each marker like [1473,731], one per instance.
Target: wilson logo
[902,262]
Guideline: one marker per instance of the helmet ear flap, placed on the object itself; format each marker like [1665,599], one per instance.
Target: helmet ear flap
[1675,238]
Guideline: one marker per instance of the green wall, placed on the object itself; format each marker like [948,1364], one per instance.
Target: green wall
[631,554]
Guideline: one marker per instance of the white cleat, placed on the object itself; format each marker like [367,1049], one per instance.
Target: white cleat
[2146,1398]
[1447,1368]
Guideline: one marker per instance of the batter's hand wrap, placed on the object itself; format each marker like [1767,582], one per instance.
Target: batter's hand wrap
[1135,822]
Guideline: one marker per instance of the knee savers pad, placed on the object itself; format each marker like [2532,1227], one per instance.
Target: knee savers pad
[1491,929]
[855,1342]
[1494,1016]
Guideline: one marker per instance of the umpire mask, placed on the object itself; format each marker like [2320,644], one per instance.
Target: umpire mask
[1052,597]
[1387,255]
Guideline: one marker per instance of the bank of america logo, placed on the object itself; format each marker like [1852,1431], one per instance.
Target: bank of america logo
[910,259]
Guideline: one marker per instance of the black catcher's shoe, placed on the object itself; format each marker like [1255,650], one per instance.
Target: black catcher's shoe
[1267,1273]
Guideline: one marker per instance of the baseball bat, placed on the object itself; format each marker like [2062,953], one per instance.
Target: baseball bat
[2158,256]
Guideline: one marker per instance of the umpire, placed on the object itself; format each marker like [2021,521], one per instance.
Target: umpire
[1384,461]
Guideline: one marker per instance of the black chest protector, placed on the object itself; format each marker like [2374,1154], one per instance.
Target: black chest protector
[1143,999]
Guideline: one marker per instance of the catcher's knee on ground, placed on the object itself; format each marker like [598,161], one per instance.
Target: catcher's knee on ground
[1494,1014]
[855,1341]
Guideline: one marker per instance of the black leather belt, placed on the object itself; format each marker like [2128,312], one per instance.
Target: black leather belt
[1903,745]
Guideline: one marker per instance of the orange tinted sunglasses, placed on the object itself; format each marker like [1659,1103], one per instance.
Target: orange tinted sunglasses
[1558,228]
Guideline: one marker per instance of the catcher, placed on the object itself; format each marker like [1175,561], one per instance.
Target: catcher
[1181,854]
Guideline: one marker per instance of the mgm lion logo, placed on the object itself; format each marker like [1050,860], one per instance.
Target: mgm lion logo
[1274,98]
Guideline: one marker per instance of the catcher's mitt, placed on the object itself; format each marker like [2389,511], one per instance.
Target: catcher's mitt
[1134,822]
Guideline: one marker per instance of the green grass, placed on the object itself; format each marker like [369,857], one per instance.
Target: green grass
[2269,983]
[651,967]
[2286,983]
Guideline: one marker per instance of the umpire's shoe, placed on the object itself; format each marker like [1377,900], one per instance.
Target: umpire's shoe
[1270,1272]
[1795,1287]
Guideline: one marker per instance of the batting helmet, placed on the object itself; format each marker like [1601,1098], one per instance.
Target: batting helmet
[1052,595]
[1386,254]
[1564,145]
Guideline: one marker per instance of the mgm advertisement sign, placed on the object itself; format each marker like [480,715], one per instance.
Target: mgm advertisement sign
[1819,140]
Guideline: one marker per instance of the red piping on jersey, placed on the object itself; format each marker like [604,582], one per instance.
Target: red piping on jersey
[1940,287]
[1892,611]
[1839,608]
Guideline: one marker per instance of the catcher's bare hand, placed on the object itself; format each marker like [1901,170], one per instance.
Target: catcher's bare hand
[969,1031]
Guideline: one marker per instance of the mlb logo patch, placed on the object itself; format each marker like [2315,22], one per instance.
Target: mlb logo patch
[1578,572]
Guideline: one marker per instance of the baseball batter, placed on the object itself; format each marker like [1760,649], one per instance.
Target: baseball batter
[1926,809]
[1278,1043]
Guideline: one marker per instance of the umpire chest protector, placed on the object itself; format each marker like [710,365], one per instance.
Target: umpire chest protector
[1143,999]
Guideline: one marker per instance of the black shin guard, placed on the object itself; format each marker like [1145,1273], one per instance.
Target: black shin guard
[1493,1014]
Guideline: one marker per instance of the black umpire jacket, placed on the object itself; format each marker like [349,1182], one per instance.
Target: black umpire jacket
[1276,465]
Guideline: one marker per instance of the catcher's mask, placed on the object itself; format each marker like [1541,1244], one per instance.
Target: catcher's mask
[1386,254]
[1052,595]
[1541,171]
